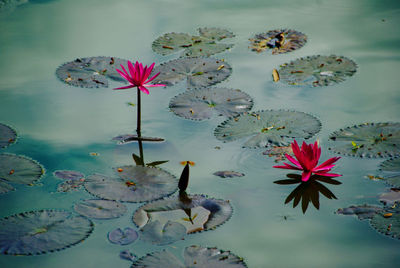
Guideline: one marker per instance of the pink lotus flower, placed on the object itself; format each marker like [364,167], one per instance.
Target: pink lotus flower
[307,160]
[137,76]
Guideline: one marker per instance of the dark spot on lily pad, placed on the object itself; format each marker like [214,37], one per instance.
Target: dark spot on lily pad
[317,70]
[368,140]
[278,41]
[228,174]
[39,232]
[123,237]
[268,128]
[198,72]
[7,135]
[100,209]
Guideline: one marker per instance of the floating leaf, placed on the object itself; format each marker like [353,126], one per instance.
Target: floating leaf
[122,237]
[39,232]
[194,257]
[201,104]
[372,140]
[91,72]
[391,167]
[18,169]
[7,135]
[389,226]
[362,211]
[389,198]
[228,174]
[220,211]
[162,234]
[199,72]
[5,187]
[68,175]
[268,128]
[136,184]
[193,46]
[70,185]
[100,209]
[279,152]
[317,70]
[279,41]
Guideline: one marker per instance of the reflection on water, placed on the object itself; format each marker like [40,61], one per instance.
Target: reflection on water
[308,192]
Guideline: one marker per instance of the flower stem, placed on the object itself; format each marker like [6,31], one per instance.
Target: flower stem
[138,129]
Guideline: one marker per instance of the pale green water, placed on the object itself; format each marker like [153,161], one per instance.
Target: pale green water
[60,125]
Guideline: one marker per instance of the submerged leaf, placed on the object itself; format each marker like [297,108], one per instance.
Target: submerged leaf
[39,232]
[68,175]
[128,138]
[7,135]
[162,234]
[201,104]
[100,209]
[122,237]
[228,174]
[279,41]
[268,128]
[372,139]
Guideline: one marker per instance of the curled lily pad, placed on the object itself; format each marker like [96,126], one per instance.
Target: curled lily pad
[100,209]
[362,211]
[18,169]
[387,222]
[368,140]
[391,168]
[201,104]
[39,232]
[91,72]
[193,46]
[317,70]
[161,234]
[268,128]
[136,184]
[279,41]
[228,174]
[123,237]
[68,175]
[199,72]
[194,256]
[7,135]
[190,211]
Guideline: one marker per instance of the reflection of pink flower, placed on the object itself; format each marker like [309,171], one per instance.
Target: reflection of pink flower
[307,160]
[137,76]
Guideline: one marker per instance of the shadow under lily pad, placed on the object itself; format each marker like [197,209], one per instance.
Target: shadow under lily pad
[90,72]
[193,46]
[198,72]
[391,168]
[100,209]
[7,135]
[194,256]
[368,140]
[136,184]
[279,41]
[39,232]
[268,128]
[199,104]
[317,70]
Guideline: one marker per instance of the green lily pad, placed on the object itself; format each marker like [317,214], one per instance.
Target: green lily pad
[387,224]
[162,234]
[90,72]
[136,184]
[391,168]
[100,209]
[194,257]
[278,41]
[368,140]
[18,169]
[201,104]
[193,46]
[317,70]
[198,72]
[39,232]
[191,211]
[7,135]
[362,211]
[268,128]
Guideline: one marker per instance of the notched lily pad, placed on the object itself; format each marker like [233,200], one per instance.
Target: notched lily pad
[268,128]
[39,232]
[228,174]
[196,212]
[317,70]
[90,72]
[362,211]
[136,184]
[279,41]
[18,169]
[368,140]
[198,72]
[193,46]
[387,222]
[100,209]
[123,237]
[161,234]
[194,256]
[391,169]
[201,104]
[7,135]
